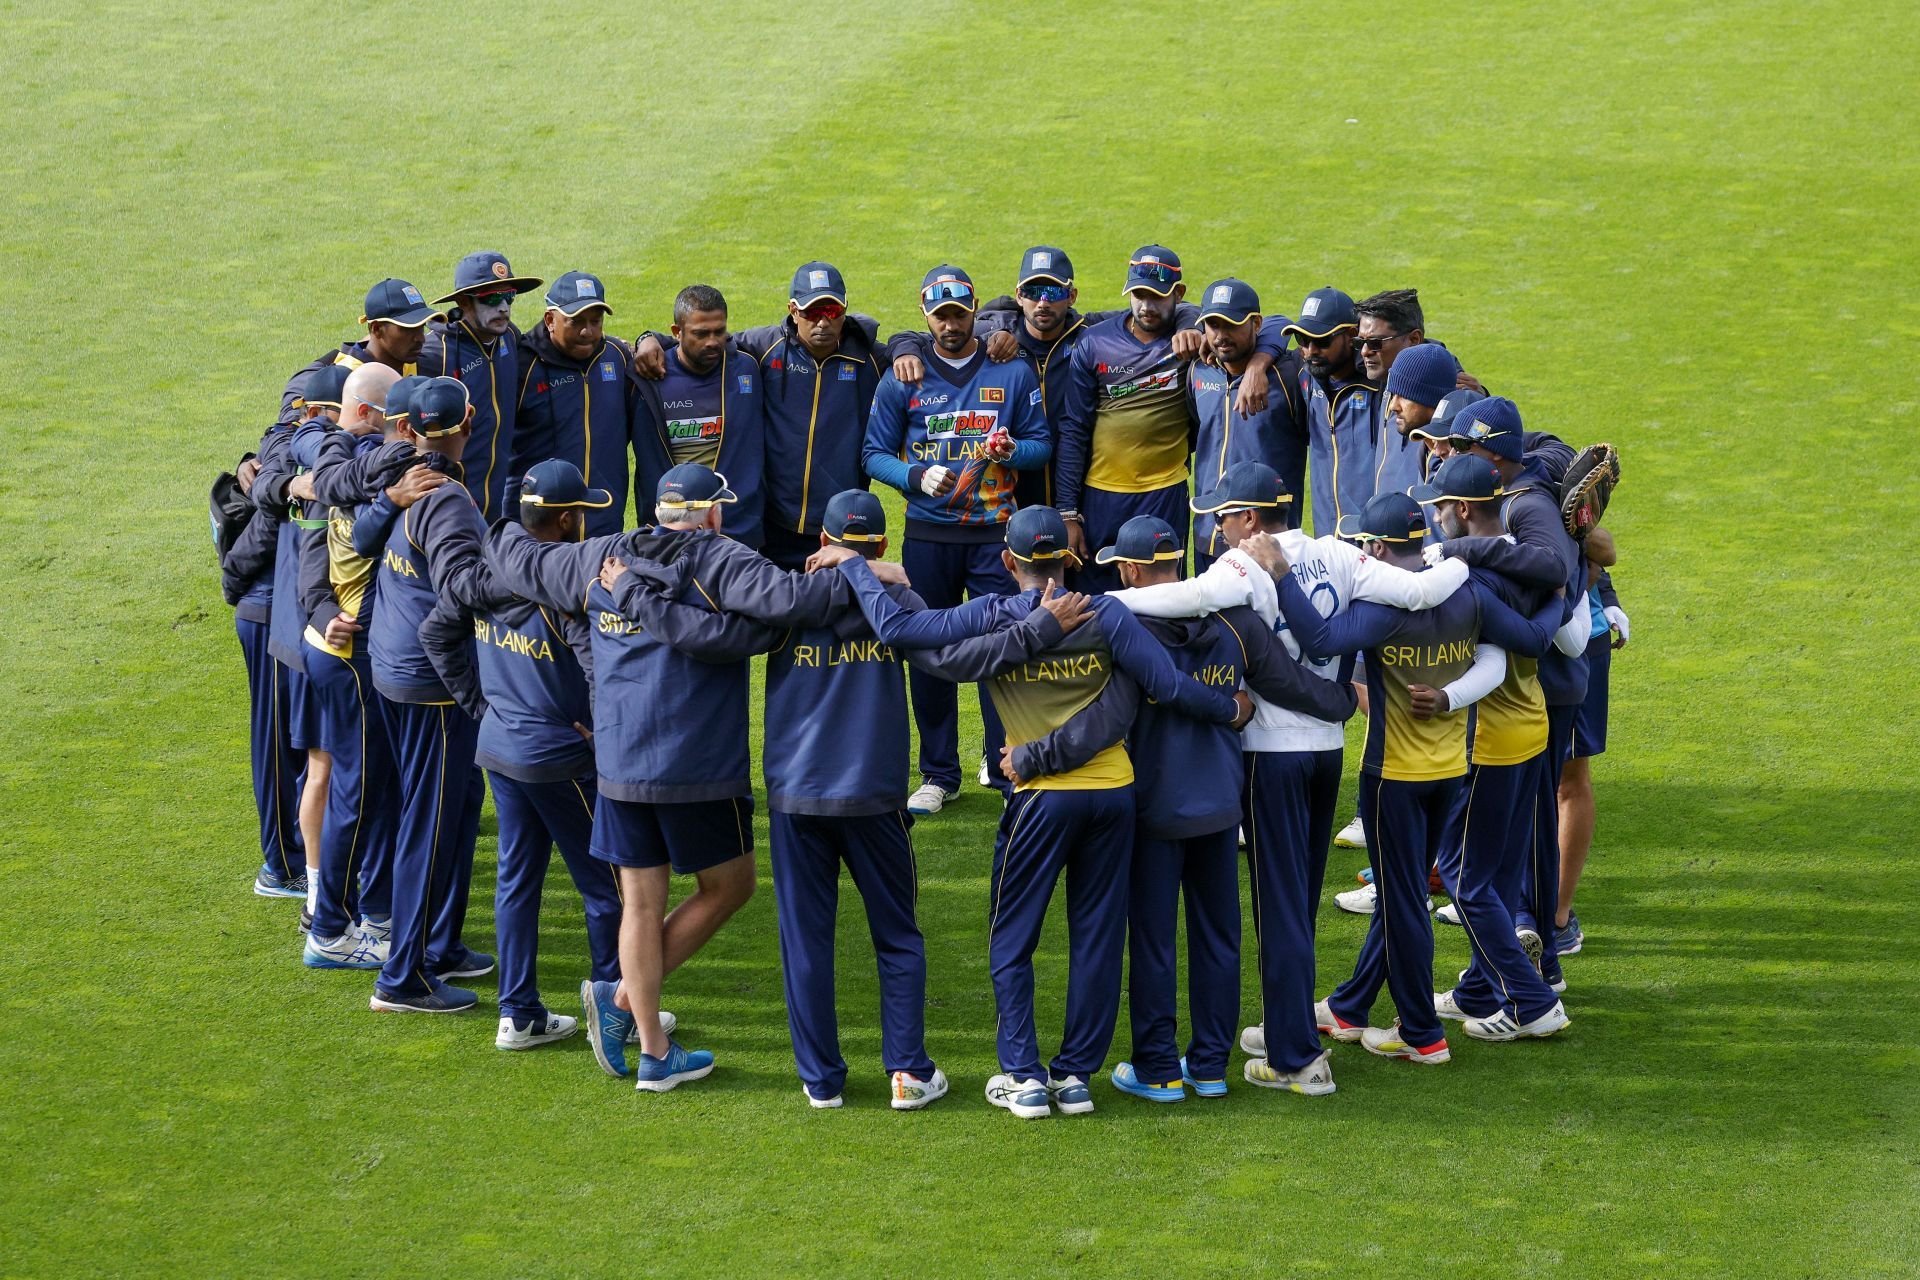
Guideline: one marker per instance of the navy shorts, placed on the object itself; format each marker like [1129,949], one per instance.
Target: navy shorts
[689,837]
[1590,722]
[343,701]
[303,711]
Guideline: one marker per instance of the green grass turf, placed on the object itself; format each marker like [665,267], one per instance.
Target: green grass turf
[1684,230]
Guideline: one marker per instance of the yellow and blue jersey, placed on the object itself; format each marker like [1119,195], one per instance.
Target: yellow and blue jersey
[1127,423]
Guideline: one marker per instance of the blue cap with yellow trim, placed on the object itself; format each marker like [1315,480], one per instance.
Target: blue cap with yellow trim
[323,387]
[1461,478]
[946,286]
[1326,310]
[1242,486]
[1142,540]
[487,272]
[1154,268]
[854,515]
[558,483]
[575,291]
[400,397]
[1494,424]
[397,302]
[1230,300]
[1044,262]
[693,486]
[817,280]
[1038,534]
[1387,517]
[440,408]
[1445,412]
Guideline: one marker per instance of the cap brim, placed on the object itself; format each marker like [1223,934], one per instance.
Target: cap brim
[721,498]
[1305,332]
[1143,287]
[1210,504]
[407,319]
[575,308]
[519,284]
[944,303]
[595,498]
[803,301]
[1228,316]
[1043,275]
[1110,555]
[1349,528]
[1422,433]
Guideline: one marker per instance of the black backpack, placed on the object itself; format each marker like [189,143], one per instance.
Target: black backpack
[229,509]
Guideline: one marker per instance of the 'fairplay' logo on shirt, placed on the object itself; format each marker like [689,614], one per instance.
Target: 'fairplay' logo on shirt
[1156,380]
[966,424]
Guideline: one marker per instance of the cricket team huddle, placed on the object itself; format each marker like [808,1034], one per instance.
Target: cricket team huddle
[1106,531]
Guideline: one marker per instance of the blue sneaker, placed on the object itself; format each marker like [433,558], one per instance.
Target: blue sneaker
[608,1025]
[1205,1088]
[1365,875]
[1569,938]
[439,998]
[1126,1081]
[351,950]
[657,1075]
[271,884]
[468,964]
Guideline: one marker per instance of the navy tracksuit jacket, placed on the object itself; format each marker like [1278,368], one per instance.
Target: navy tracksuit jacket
[490,369]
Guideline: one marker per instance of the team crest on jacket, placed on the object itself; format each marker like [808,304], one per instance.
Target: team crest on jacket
[993,395]
[746,384]
[848,373]
[606,371]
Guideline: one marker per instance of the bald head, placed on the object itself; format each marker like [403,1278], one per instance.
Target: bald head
[363,401]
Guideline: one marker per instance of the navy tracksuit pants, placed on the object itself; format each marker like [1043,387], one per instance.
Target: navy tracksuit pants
[1089,836]
[1103,511]
[808,851]
[362,818]
[944,574]
[1204,871]
[1405,823]
[1289,804]
[533,818]
[278,769]
[440,797]
[1540,881]
[1488,845]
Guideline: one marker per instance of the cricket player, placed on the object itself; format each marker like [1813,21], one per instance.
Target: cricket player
[1343,408]
[953,446]
[478,344]
[1127,424]
[396,318]
[1080,822]
[576,398]
[1608,630]
[1392,324]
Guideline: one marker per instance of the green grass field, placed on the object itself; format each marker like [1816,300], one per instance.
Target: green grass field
[1684,230]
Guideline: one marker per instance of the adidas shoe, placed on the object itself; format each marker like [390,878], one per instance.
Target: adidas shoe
[1126,1081]
[1329,1023]
[1071,1095]
[911,1093]
[1449,1009]
[930,798]
[1203,1088]
[1025,1098]
[1504,1026]
[657,1075]
[1352,836]
[544,1029]
[1315,1080]
[1386,1042]
[1253,1040]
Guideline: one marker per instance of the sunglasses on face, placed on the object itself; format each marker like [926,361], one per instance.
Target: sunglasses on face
[504,299]
[823,311]
[1378,341]
[1045,292]
[944,291]
[1307,340]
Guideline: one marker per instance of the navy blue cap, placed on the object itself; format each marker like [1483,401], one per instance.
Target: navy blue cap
[1142,540]
[1423,373]
[397,302]
[1325,311]
[1038,534]
[1444,413]
[487,272]
[817,280]
[1387,517]
[1153,267]
[946,286]
[400,396]
[1461,478]
[558,483]
[693,486]
[1493,423]
[854,515]
[1244,485]
[323,386]
[1044,262]
[440,408]
[1230,299]
[575,291]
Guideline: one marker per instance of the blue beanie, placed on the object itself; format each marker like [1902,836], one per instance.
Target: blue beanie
[1423,373]
[1493,422]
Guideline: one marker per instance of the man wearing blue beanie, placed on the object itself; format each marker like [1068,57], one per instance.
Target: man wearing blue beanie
[1420,379]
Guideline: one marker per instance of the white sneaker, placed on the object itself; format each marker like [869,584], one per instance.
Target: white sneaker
[1071,1095]
[1314,1080]
[1386,1042]
[1503,1026]
[930,798]
[1025,1098]
[910,1092]
[1449,914]
[820,1104]
[1329,1023]
[1253,1041]
[1559,984]
[667,1023]
[1445,1006]
[986,774]
[558,1026]
[1360,902]
[1353,835]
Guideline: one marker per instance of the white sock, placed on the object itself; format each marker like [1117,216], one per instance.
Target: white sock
[313,888]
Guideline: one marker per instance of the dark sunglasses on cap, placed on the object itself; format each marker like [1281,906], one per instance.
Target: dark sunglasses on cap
[1045,292]
[820,311]
[504,298]
[943,291]
[1143,272]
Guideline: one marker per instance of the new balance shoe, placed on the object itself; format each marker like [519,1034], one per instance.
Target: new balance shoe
[1569,938]
[608,1025]
[1386,1042]
[930,798]
[270,884]
[351,950]
[1204,1088]
[1358,902]
[1071,1095]
[1353,835]
[1025,1098]
[911,1093]
[543,1029]
[1329,1023]
[1253,1040]
[1504,1026]
[667,1024]
[821,1104]
[1126,1081]
[1448,1008]
[1449,914]
[657,1075]
[468,964]
[439,998]
[1314,1080]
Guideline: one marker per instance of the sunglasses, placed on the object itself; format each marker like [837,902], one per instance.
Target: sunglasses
[1139,272]
[1045,292]
[1308,340]
[942,291]
[502,299]
[1377,342]
[822,311]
